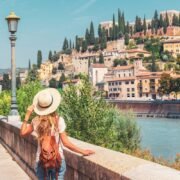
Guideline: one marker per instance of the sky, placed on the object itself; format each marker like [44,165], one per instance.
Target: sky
[45,23]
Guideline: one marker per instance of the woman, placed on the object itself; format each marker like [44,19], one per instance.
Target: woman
[47,122]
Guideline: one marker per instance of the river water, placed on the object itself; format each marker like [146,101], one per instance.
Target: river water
[161,136]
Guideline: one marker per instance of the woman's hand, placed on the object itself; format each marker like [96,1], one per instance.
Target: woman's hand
[87,152]
[29,111]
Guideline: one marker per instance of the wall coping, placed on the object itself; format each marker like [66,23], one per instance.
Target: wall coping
[115,163]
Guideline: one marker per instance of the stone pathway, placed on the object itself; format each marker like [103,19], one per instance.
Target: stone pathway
[9,169]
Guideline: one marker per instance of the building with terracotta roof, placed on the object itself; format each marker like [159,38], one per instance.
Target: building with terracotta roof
[172,46]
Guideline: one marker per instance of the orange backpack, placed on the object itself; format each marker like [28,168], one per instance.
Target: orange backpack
[50,157]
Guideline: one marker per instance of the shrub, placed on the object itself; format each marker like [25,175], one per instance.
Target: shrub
[5,103]
[89,118]
[25,96]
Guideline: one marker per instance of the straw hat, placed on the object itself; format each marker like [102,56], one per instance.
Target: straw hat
[46,101]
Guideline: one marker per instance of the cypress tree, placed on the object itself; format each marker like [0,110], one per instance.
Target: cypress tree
[126,39]
[175,21]
[167,19]
[96,45]
[92,36]
[123,23]
[29,67]
[127,29]
[84,46]
[39,58]
[156,21]
[101,58]
[70,44]
[144,26]
[153,68]
[65,45]
[103,42]
[119,20]
[161,21]
[114,28]
[87,36]
[50,55]
[77,44]
[99,31]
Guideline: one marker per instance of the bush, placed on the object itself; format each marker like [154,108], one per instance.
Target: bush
[89,118]
[25,96]
[5,103]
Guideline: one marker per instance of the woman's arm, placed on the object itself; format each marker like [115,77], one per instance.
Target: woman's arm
[66,142]
[27,128]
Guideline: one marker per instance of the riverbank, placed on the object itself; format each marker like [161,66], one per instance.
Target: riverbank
[151,109]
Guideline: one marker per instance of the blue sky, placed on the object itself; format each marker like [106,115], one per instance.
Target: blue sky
[45,23]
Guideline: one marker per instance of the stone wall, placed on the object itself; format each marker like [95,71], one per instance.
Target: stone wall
[169,109]
[104,165]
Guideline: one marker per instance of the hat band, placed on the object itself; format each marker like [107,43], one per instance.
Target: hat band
[47,105]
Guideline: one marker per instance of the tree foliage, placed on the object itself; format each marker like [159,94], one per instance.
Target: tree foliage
[91,119]
[5,102]
[25,95]
[39,58]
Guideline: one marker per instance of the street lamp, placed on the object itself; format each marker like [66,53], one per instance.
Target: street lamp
[12,21]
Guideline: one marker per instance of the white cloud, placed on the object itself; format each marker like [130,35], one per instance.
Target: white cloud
[84,7]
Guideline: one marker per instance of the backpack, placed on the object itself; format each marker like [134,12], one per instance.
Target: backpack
[49,156]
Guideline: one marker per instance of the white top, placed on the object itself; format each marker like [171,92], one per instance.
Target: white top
[61,127]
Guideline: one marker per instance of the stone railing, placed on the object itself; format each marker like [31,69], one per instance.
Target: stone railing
[105,164]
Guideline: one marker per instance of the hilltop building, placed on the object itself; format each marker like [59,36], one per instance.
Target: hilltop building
[172,46]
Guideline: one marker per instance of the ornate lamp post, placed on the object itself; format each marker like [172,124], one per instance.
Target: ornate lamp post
[12,21]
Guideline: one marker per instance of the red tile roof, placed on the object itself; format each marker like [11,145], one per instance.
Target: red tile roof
[98,66]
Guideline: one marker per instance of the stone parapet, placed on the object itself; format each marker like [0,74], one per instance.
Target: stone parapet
[105,164]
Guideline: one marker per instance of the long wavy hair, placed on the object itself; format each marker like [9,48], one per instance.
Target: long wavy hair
[48,123]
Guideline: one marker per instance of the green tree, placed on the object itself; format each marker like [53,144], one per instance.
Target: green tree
[84,46]
[77,44]
[29,66]
[96,45]
[164,84]
[61,80]
[91,34]
[101,58]
[65,45]
[175,21]
[5,102]
[156,21]
[50,55]
[99,31]
[87,36]
[126,39]
[25,95]
[161,21]
[61,66]
[120,62]
[53,83]
[89,118]
[144,26]
[6,82]
[32,74]
[39,58]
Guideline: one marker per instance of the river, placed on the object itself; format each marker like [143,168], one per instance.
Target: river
[161,136]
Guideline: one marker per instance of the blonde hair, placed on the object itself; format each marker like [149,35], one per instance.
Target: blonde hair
[48,124]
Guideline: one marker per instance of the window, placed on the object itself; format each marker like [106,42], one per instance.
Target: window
[119,83]
[127,89]
[114,89]
[128,95]
[112,84]
[109,84]
[119,75]
[129,74]
[127,82]
[146,94]
[119,89]
[140,95]
[132,89]
[132,82]
[133,95]
[116,83]
[124,75]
